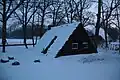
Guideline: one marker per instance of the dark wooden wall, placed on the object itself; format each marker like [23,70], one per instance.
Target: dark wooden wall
[79,36]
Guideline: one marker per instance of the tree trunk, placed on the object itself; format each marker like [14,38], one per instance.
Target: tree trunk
[54,15]
[81,15]
[36,36]
[42,24]
[118,26]
[119,40]
[24,34]
[106,39]
[33,26]
[38,19]
[35,40]
[4,35]
[98,18]
[54,20]
[24,25]
[67,15]
[4,26]
[71,17]
[33,31]
[81,11]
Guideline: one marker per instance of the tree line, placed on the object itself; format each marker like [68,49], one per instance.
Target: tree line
[32,12]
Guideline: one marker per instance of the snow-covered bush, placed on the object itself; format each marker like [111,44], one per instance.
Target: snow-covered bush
[37,61]
[16,63]
[11,58]
[4,60]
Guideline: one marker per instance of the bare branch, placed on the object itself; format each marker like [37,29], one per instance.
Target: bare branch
[21,2]
[109,12]
[85,20]
[30,8]
[113,23]
[1,13]
[60,19]
[47,12]
[1,3]
[58,8]
[1,21]
[9,6]
[40,8]
[39,14]
[27,8]
[18,17]
[32,14]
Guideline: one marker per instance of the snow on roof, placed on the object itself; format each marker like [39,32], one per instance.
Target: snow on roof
[62,32]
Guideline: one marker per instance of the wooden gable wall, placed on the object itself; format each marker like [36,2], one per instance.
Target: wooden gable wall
[78,43]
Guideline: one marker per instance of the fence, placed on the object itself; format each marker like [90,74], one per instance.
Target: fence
[111,46]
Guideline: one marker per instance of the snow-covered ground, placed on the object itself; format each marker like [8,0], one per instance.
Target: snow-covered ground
[16,41]
[104,65]
[101,66]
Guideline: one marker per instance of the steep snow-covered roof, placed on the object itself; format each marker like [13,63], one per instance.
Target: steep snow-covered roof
[62,32]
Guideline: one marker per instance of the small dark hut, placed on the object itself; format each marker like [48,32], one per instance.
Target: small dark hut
[78,43]
[68,39]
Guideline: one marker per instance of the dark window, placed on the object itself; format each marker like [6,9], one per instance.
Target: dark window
[85,45]
[74,45]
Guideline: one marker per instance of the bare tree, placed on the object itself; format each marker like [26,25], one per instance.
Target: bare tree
[69,7]
[66,7]
[88,18]
[77,10]
[33,20]
[72,9]
[81,7]
[44,4]
[108,9]
[98,17]
[7,12]
[57,12]
[118,20]
[27,8]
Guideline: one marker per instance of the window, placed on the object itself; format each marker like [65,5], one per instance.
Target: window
[74,45]
[85,43]
[86,47]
